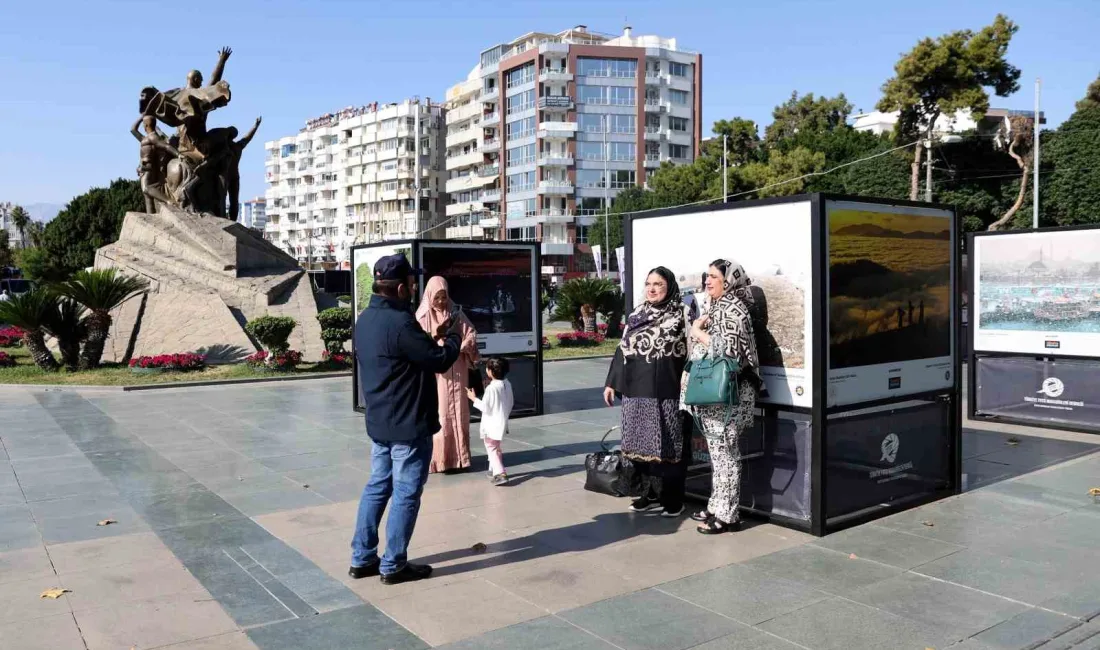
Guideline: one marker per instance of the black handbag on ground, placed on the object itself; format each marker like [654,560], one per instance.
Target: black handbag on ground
[609,472]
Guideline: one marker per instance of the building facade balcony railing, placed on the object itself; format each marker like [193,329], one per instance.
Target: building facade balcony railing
[555,187]
[556,102]
[489,170]
[555,160]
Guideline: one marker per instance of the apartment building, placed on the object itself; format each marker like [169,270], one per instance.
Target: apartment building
[254,213]
[7,224]
[356,176]
[547,129]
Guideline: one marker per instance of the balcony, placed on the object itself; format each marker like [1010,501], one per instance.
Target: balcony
[653,78]
[551,47]
[556,103]
[557,248]
[554,216]
[555,187]
[555,75]
[653,133]
[465,135]
[652,160]
[465,160]
[557,129]
[653,105]
[492,119]
[556,160]
[491,145]
[490,195]
[488,170]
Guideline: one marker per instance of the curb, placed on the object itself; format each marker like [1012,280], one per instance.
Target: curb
[184,384]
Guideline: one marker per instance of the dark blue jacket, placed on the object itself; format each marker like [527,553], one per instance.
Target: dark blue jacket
[398,362]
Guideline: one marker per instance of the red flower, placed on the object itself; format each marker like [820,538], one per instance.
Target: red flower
[6,360]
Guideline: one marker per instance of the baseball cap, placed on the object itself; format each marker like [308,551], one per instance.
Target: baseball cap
[394,267]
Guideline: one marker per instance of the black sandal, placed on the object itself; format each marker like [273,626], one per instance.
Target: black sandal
[715,527]
[701,516]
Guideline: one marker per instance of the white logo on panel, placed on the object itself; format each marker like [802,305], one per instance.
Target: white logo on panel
[1052,387]
[890,446]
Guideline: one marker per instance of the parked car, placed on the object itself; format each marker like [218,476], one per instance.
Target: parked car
[16,286]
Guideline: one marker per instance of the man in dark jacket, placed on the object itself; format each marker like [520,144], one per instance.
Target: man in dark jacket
[397,362]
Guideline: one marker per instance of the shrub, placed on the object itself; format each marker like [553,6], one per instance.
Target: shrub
[580,339]
[272,332]
[344,298]
[287,360]
[337,359]
[6,360]
[335,328]
[182,361]
[11,337]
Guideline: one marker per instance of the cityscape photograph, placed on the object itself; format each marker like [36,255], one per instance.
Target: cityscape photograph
[611,325]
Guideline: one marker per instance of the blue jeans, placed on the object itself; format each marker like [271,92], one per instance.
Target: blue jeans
[398,469]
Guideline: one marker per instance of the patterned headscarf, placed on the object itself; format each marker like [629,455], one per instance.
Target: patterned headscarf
[656,330]
[731,318]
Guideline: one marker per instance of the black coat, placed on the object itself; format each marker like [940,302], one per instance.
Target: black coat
[398,362]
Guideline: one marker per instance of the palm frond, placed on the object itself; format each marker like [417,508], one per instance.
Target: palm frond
[32,310]
[101,290]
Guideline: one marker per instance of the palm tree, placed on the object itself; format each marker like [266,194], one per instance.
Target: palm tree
[31,312]
[21,219]
[67,326]
[100,290]
[578,300]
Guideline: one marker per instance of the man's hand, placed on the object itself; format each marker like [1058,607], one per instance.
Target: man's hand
[225,52]
[444,329]
[258,120]
[471,394]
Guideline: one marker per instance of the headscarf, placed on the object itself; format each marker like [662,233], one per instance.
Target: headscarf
[431,318]
[656,330]
[731,317]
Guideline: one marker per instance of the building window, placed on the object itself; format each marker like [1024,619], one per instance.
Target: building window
[590,94]
[590,122]
[590,150]
[678,97]
[521,182]
[622,179]
[388,145]
[622,95]
[679,69]
[627,124]
[677,124]
[519,76]
[521,234]
[386,125]
[521,128]
[582,234]
[590,205]
[521,102]
[590,178]
[679,151]
[623,151]
[623,68]
[524,155]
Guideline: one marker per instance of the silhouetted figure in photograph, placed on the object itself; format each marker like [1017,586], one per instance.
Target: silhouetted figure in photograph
[901,318]
[910,313]
[922,312]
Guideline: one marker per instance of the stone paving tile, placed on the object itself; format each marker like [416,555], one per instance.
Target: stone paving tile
[230,641]
[55,632]
[888,546]
[548,633]
[154,622]
[353,627]
[17,528]
[825,570]
[744,594]
[1017,579]
[21,600]
[1027,629]
[26,564]
[838,624]
[120,584]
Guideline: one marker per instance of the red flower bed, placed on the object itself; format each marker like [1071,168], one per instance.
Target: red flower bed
[6,360]
[10,337]
[580,339]
[342,359]
[180,361]
[264,359]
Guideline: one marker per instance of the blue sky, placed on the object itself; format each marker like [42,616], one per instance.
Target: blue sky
[72,69]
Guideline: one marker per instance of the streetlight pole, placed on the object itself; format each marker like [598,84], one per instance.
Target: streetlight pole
[606,197]
[1035,160]
[928,171]
[725,176]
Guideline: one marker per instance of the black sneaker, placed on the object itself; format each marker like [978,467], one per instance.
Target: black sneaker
[368,571]
[411,573]
[672,514]
[500,479]
[645,504]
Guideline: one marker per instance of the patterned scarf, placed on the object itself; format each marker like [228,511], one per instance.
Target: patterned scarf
[731,321]
[656,330]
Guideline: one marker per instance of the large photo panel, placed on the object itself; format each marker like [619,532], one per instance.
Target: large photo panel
[495,286]
[891,307]
[362,265]
[773,243]
[1038,293]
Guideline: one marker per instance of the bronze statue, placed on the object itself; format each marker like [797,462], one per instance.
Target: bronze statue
[204,171]
[155,154]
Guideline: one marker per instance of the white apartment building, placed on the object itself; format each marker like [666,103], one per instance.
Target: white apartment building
[15,236]
[356,176]
[547,128]
[995,119]
[254,213]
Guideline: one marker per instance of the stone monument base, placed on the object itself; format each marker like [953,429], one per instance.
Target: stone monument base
[207,276]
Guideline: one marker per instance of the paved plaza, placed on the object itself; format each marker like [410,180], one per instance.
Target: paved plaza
[233,508]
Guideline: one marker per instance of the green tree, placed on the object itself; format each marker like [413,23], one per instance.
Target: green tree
[946,75]
[273,332]
[1021,138]
[36,264]
[579,299]
[769,178]
[742,142]
[1092,96]
[6,257]
[100,291]
[336,325]
[806,114]
[90,221]
[68,326]
[21,219]
[32,312]
[1071,192]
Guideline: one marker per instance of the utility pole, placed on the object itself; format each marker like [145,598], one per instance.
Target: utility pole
[1035,160]
[606,195]
[470,218]
[928,171]
[725,176]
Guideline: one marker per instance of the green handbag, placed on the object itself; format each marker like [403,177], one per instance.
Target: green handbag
[712,381]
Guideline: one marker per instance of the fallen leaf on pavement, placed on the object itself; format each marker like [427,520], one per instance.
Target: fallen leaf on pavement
[1094,492]
[852,557]
[479,548]
[54,593]
[305,485]
[107,522]
[1012,442]
[928,523]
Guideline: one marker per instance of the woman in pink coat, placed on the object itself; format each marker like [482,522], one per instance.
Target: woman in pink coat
[452,444]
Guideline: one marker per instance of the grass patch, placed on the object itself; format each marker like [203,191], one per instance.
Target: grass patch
[117,375]
[605,349]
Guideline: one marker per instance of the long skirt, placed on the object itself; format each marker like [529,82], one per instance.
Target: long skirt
[452,443]
[725,454]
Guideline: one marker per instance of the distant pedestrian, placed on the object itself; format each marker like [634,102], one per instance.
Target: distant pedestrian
[496,408]
[398,363]
[5,296]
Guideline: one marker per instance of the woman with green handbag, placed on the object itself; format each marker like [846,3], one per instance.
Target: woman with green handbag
[722,342]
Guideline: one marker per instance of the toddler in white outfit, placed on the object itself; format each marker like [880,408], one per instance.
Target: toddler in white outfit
[496,408]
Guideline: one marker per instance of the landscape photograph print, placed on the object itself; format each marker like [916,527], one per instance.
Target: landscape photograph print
[889,287]
[363,260]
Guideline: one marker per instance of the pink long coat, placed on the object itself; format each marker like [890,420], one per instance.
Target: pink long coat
[452,443]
